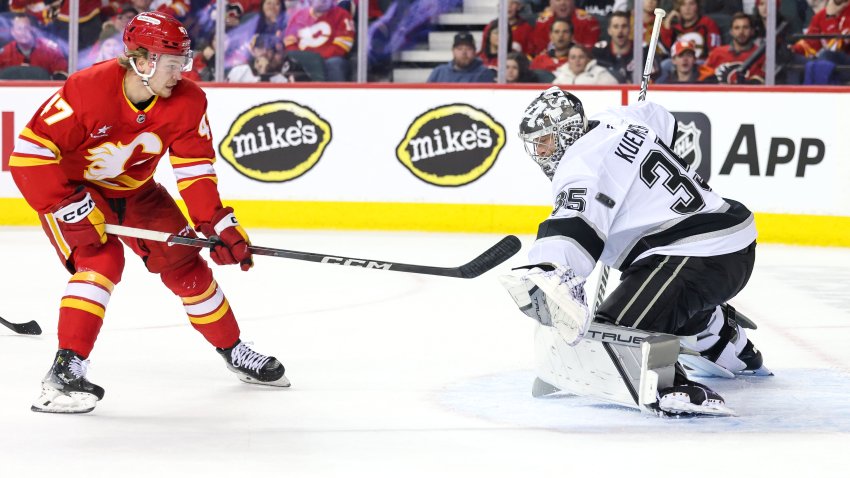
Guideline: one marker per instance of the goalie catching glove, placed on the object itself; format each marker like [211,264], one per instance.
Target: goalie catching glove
[231,240]
[553,295]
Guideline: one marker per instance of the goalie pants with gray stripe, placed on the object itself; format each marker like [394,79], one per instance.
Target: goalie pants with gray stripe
[676,294]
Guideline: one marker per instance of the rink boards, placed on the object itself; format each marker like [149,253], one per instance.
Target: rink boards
[391,157]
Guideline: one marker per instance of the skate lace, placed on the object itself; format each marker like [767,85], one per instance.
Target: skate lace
[78,367]
[244,357]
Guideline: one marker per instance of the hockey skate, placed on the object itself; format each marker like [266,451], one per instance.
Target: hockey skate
[725,351]
[65,388]
[688,398]
[253,367]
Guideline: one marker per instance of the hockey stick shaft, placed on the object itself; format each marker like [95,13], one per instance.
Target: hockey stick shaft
[492,257]
[644,85]
[27,328]
[650,54]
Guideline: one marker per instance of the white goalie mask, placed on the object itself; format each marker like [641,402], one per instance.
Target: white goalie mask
[551,124]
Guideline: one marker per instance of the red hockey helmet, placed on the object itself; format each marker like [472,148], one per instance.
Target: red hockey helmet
[158,33]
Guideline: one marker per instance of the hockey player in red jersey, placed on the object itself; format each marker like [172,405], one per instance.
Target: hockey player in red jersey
[87,158]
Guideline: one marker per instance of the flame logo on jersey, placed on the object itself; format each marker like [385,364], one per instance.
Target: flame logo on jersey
[112,160]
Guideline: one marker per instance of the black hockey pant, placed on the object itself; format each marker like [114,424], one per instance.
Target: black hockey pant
[676,294]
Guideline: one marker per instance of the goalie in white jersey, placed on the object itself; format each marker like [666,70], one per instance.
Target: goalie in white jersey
[622,197]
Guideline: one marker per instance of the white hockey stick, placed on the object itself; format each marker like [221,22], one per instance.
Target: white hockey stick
[644,84]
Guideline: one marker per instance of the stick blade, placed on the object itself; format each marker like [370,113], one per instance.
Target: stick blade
[499,253]
[29,328]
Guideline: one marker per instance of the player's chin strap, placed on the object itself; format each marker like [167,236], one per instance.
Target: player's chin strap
[145,78]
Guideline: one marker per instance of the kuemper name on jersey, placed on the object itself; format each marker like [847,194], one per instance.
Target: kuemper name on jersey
[632,140]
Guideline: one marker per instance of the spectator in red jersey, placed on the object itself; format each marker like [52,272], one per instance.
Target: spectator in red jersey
[581,69]
[684,22]
[521,30]
[489,53]
[723,61]
[834,19]
[27,49]
[684,64]
[617,54]
[517,69]
[327,30]
[560,41]
[585,27]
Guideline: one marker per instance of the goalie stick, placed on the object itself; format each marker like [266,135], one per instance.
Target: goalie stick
[492,257]
[27,328]
[644,85]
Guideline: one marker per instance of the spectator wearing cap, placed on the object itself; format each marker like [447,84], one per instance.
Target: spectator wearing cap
[684,64]
[465,67]
[723,62]
[560,41]
[581,69]
[28,49]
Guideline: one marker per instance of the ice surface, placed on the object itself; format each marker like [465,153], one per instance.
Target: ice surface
[402,375]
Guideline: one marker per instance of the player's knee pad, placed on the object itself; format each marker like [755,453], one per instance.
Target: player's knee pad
[190,278]
[106,259]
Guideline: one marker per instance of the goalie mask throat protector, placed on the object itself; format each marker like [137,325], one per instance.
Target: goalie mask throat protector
[551,124]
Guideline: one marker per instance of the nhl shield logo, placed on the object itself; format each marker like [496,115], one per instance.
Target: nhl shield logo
[692,142]
[686,145]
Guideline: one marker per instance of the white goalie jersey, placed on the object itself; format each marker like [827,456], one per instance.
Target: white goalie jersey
[621,194]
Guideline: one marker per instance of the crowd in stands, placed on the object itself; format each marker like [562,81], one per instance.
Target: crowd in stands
[701,41]
[561,41]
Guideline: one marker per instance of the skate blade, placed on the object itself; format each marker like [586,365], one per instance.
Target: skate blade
[55,401]
[759,372]
[282,382]
[698,366]
[676,408]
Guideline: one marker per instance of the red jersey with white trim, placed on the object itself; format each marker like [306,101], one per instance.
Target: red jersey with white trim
[90,134]
[826,24]
[585,30]
[726,59]
[704,33]
[329,34]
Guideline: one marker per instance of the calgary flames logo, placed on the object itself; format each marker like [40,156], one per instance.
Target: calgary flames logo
[111,160]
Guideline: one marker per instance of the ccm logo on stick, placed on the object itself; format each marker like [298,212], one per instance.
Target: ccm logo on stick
[356,262]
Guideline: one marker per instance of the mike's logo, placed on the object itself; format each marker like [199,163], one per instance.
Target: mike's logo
[276,142]
[451,145]
[693,142]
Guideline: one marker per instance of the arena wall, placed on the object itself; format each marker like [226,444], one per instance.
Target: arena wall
[430,158]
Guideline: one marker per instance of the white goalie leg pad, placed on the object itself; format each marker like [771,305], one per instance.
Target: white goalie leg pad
[610,364]
[55,401]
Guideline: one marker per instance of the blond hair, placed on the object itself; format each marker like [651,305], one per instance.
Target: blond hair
[124,60]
